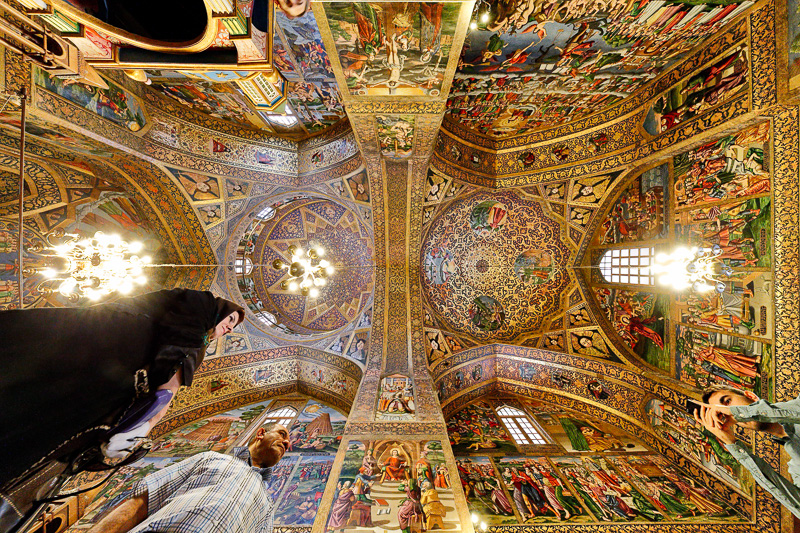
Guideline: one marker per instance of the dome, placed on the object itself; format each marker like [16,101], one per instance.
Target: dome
[316,222]
[493,265]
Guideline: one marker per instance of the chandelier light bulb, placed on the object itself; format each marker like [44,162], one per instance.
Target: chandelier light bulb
[320,252]
[329,270]
[135,247]
[485,17]
[473,25]
[324,263]
[141,280]
[475,518]
[293,286]
[319,282]
[313,293]
[147,260]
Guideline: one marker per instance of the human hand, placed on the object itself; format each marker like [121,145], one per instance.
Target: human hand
[717,422]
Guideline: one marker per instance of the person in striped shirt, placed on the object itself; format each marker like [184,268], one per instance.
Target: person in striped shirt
[207,492]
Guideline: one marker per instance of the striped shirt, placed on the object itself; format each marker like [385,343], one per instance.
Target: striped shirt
[208,492]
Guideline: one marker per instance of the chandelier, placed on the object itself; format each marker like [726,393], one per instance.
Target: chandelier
[91,267]
[306,271]
[696,268]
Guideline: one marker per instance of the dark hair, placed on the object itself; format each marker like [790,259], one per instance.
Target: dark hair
[720,388]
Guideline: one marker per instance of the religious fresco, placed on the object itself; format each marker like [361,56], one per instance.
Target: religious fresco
[534,266]
[305,45]
[723,169]
[304,222]
[396,135]
[579,433]
[391,485]
[298,503]
[393,48]
[704,358]
[477,428]
[316,105]
[676,496]
[115,103]
[318,428]
[396,398]
[676,426]
[722,203]
[220,100]
[743,308]
[607,495]
[199,187]
[487,240]
[641,319]
[703,91]
[640,211]
[539,494]
[529,65]
[484,490]
[359,186]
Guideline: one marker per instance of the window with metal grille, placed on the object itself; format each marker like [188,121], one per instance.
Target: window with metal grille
[283,416]
[519,426]
[243,265]
[629,266]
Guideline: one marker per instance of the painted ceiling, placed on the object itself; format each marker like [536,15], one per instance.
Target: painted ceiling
[310,223]
[534,64]
[494,265]
[473,273]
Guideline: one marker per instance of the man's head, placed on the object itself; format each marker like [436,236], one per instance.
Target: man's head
[268,445]
[730,396]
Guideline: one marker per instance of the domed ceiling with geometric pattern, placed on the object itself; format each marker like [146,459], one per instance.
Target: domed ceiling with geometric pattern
[316,222]
[494,265]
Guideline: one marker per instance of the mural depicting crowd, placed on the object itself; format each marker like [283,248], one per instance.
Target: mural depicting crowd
[586,471]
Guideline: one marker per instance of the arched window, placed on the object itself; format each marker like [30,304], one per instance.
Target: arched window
[243,265]
[629,266]
[520,427]
[283,416]
[266,213]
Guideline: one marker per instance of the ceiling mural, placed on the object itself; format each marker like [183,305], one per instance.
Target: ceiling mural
[393,48]
[494,265]
[510,271]
[573,469]
[531,65]
[722,202]
[308,222]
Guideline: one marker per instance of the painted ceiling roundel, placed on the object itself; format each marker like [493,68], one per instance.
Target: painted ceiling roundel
[348,247]
[493,265]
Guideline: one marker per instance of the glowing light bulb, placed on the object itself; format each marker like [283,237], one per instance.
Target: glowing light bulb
[324,263]
[126,287]
[313,293]
[329,270]
[49,273]
[293,286]
[136,246]
[483,526]
[475,518]
[473,25]
[147,260]
[485,16]
[320,252]
[319,282]
[141,280]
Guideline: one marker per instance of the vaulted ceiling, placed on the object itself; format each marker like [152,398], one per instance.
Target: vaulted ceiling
[467,165]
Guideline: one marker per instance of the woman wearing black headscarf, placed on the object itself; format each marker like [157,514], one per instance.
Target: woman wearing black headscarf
[67,374]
